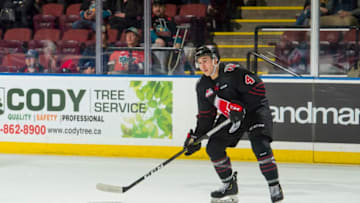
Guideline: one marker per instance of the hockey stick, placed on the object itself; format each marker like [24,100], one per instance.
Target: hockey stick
[120,189]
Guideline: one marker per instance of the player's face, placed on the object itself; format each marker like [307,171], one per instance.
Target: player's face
[206,65]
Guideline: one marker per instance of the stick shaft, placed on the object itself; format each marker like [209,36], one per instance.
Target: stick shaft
[160,166]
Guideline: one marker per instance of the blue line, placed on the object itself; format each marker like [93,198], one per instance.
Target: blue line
[330,78]
[95,75]
[309,78]
[288,77]
[168,76]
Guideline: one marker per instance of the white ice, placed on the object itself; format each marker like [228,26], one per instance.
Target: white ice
[72,179]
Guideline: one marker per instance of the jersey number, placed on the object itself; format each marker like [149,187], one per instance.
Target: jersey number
[249,80]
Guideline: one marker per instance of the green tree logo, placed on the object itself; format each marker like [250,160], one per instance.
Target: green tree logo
[158,97]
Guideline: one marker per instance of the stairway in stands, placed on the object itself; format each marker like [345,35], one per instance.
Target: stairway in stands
[233,46]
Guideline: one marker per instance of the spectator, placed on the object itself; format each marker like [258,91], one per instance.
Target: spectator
[256,3]
[128,61]
[304,17]
[177,2]
[17,12]
[51,59]
[87,14]
[220,14]
[163,25]
[163,32]
[88,68]
[66,3]
[89,54]
[341,13]
[37,6]
[125,13]
[69,66]
[32,64]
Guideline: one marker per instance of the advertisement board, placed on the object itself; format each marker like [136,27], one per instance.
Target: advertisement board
[89,111]
[315,112]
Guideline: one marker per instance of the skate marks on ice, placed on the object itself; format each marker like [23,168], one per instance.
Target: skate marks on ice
[105,202]
[228,199]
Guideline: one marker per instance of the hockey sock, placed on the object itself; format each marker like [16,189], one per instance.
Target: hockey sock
[268,168]
[223,169]
[262,149]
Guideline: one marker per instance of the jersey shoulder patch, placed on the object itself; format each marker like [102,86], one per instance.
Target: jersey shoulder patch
[230,67]
[249,80]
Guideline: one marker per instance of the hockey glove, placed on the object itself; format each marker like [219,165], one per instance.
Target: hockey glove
[237,112]
[191,145]
[236,115]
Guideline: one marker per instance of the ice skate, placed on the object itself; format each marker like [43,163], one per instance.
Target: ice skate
[227,193]
[276,193]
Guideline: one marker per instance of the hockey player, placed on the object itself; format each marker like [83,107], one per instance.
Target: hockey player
[238,94]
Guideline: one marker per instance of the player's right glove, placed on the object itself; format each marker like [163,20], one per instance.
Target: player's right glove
[191,145]
[236,115]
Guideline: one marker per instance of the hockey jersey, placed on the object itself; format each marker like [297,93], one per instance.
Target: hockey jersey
[234,83]
[126,60]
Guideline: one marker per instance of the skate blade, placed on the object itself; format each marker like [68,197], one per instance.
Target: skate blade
[228,199]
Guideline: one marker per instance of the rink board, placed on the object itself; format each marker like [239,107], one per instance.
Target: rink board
[315,120]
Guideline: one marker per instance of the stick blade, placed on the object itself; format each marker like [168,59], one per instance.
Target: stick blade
[109,188]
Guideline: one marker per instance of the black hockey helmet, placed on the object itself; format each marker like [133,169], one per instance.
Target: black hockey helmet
[208,50]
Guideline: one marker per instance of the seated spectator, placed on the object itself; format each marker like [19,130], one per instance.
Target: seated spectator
[163,33]
[88,68]
[32,64]
[89,54]
[164,26]
[256,3]
[304,17]
[221,12]
[128,61]
[18,13]
[37,6]
[87,14]
[51,59]
[66,3]
[341,13]
[69,66]
[125,13]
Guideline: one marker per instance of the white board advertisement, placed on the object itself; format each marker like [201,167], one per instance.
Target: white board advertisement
[95,110]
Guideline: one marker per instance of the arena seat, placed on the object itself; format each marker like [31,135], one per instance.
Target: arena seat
[22,34]
[171,10]
[54,9]
[15,40]
[13,62]
[190,11]
[73,9]
[47,34]
[44,21]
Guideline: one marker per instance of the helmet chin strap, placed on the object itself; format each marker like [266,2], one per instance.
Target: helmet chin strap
[215,67]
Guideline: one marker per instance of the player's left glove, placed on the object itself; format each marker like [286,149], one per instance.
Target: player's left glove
[191,145]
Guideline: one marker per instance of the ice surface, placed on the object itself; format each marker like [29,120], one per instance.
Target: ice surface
[72,179]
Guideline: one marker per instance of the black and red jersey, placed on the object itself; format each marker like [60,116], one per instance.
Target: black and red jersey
[234,83]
